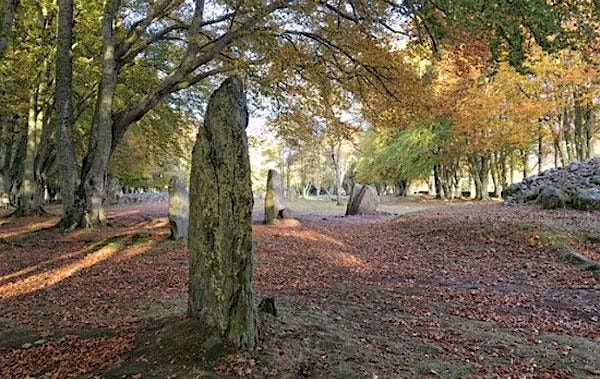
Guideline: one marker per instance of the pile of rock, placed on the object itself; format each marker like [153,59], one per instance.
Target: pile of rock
[144,197]
[576,185]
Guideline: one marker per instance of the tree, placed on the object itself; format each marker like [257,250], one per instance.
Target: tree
[245,37]
[64,108]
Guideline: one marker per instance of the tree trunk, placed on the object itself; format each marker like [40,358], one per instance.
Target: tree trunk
[220,234]
[485,178]
[91,191]
[7,19]
[480,167]
[339,177]
[540,148]
[30,192]
[578,128]
[64,116]
[525,163]
[439,193]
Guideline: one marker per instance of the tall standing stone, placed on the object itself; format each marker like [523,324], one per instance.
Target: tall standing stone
[220,235]
[179,205]
[274,199]
[363,200]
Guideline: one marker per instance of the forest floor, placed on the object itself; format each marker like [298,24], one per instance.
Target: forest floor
[437,290]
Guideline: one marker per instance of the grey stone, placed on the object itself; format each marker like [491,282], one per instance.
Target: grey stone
[552,198]
[220,248]
[570,179]
[274,199]
[179,205]
[114,191]
[587,199]
[363,200]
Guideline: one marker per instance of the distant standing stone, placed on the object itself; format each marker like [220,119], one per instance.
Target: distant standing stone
[274,199]
[363,201]
[179,199]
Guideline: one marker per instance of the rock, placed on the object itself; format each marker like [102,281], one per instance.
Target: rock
[552,198]
[570,180]
[220,248]
[179,199]
[285,213]
[363,201]
[274,199]
[267,305]
[114,192]
[587,199]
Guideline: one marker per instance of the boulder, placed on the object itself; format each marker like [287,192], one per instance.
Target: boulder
[587,199]
[552,198]
[179,199]
[363,200]
[274,199]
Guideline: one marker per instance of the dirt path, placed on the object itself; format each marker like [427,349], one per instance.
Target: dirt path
[443,292]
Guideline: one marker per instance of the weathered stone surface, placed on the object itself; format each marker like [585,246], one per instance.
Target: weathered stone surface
[552,198]
[274,199]
[114,192]
[587,199]
[579,176]
[285,213]
[363,200]
[179,205]
[220,235]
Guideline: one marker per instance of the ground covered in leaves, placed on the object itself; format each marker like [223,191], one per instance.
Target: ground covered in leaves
[445,291]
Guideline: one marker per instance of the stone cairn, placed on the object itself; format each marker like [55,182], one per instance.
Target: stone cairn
[179,199]
[576,186]
[363,200]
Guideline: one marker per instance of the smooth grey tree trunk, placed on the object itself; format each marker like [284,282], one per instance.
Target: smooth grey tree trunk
[220,234]
[64,113]
[95,166]
[30,192]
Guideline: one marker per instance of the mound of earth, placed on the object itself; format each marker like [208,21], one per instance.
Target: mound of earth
[576,185]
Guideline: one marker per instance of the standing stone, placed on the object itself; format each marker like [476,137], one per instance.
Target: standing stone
[114,192]
[274,200]
[179,205]
[363,201]
[220,235]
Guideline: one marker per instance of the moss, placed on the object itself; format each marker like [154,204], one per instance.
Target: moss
[17,338]
[184,347]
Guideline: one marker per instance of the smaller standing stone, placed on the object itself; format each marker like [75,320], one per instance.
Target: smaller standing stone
[114,192]
[179,199]
[363,201]
[274,199]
